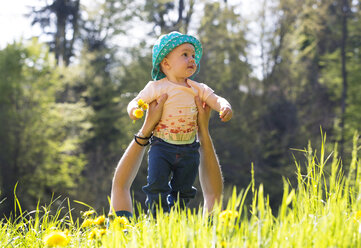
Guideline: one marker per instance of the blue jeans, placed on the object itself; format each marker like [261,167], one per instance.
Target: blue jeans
[172,170]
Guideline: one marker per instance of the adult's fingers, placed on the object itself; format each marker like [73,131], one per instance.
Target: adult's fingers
[204,112]
[162,100]
[158,104]
[199,104]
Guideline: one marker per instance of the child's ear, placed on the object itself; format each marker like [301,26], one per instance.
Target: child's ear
[165,63]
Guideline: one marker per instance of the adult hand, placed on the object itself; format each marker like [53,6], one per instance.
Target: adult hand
[129,163]
[210,174]
[154,114]
[204,113]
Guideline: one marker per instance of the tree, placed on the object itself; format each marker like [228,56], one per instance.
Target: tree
[225,68]
[169,15]
[353,115]
[100,89]
[66,22]
[345,9]
[36,149]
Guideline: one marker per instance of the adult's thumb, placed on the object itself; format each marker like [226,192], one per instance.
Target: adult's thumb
[162,100]
[198,102]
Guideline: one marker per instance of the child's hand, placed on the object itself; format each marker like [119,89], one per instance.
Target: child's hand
[225,114]
[136,109]
[131,114]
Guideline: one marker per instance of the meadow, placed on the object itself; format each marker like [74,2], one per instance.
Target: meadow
[321,210]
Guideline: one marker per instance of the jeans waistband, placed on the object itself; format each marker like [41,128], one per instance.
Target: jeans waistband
[155,139]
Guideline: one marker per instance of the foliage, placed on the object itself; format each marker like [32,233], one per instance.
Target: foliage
[168,15]
[37,150]
[64,16]
[64,129]
[225,69]
[321,210]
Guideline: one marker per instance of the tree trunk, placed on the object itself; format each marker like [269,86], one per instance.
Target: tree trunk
[60,32]
[69,50]
[187,19]
[345,11]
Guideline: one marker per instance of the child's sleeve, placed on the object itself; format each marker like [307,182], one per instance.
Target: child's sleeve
[148,94]
[205,92]
[214,101]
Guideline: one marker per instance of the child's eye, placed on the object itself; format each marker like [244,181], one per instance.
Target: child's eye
[185,54]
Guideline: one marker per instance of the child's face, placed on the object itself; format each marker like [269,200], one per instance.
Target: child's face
[180,61]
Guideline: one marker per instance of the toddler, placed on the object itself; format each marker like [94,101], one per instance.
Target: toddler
[173,157]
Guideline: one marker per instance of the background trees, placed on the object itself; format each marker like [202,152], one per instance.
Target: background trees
[39,150]
[64,15]
[63,125]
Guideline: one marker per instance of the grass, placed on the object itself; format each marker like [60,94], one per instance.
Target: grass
[322,210]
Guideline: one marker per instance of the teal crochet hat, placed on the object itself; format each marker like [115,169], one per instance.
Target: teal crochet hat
[165,44]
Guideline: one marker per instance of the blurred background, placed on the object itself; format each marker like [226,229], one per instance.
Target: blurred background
[68,68]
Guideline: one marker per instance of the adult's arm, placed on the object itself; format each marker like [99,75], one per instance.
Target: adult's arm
[129,164]
[210,174]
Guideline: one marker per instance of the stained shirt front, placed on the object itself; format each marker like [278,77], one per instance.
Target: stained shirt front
[178,124]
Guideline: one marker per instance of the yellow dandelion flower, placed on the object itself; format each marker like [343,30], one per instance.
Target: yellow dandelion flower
[140,103]
[227,215]
[93,234]
[145,106]
[96,233]
[121,221]
[101,232]
[56,238]
[223,244]
[87,223]
[138,113]
[88,213]
[357,216]
[100,220]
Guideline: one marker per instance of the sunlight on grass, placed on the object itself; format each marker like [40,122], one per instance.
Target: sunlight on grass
[322,210]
